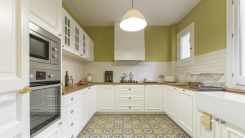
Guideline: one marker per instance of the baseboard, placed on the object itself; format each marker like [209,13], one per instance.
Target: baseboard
[148,113]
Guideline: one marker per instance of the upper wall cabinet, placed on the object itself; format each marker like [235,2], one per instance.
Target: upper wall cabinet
[76,43]
[47,14]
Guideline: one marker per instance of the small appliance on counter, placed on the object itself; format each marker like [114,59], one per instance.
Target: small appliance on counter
[109,76]
[90,78]
[170,79]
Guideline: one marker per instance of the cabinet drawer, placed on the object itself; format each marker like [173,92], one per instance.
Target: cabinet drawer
[130,98]
[130,107]
[70,127]
[70,99]
[70,113]
[130,88]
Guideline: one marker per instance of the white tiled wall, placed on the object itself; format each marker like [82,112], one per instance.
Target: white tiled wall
[74,68]
[213,62]
[150,70]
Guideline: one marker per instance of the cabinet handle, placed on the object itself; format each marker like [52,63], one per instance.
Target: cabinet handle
[72,124]
[72,98]
[183,90]
[222,122]
[87,57]
[89,88]
[129,107]
[174,88]
[59,34]
[129,89]
[72,136]
[63,46]
[216,119]
[72,111]
[129,98]
[81,55]
[60,123]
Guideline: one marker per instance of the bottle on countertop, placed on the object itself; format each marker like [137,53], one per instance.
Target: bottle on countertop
[66,79]
[71,82]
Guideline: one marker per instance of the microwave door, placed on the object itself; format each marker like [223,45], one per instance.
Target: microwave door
[40,48]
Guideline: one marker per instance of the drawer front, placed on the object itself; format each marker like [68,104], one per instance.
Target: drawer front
[69,127]
[130,98]
[73,133]
[130,107]
[70,99]
[130,88]
[70,113]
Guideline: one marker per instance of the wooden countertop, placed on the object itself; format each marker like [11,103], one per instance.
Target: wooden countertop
[67,90]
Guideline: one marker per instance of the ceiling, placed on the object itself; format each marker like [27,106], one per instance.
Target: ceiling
[106,12]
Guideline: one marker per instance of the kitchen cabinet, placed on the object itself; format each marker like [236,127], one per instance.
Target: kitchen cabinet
[92,100]
[14,70]
[220,129]
[84,110]
[106,98]
[170,101]
[76,43]
[186,110]
[67,30]
[47,14]
[53,131]
[153,98]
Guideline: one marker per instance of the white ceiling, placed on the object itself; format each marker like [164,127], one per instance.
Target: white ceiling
[106,12]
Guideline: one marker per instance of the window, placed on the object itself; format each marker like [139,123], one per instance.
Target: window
[236,44]
[185,46]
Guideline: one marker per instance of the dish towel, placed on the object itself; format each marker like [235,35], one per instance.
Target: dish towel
[206,120]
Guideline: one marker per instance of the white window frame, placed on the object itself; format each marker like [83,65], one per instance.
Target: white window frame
[232,29]
[190,60]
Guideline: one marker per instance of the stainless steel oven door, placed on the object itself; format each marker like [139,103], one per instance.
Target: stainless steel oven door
[40,48]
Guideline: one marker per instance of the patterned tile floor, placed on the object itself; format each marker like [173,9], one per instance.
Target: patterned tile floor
[131,126]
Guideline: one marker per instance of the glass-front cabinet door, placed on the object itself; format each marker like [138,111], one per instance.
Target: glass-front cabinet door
[67,30]
[84,45]
[77,38]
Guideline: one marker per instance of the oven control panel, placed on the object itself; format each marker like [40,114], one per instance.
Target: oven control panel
[37,75]
[40,75]
[54,53]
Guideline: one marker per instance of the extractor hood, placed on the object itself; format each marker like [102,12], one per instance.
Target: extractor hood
[128,46]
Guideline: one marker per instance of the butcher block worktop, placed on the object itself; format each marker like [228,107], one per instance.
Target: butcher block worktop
[66,89]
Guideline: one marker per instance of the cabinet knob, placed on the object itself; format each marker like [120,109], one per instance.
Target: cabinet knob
[81,54]
[60,123]
[129,89]
[222,122]
[72,111]
[59,34]
[63,46]
[72,136]
[72,124]
[72,98]
[129,107]
[129,98]
[174,88]
[216,119]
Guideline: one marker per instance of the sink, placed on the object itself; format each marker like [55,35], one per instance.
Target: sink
[227,106]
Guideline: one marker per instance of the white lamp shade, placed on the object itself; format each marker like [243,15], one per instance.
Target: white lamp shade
[133,21]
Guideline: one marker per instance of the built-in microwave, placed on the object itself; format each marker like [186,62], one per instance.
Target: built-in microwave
[44,49]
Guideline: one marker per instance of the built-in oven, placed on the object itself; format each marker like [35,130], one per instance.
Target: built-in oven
[45,79]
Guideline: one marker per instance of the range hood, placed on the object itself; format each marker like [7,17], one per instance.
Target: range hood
[128,46]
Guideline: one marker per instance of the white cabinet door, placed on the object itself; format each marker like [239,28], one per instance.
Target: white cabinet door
[84,41]
[67,31]
[53,131]
[90,50]
[84,107]
[231,131]
[153,98]
[93,100]
[14,69]
[76,36]
[186,111]
[106,98]
[47,14]
[202,132]
[170,101]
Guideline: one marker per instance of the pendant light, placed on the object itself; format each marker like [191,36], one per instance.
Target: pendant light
[133,20]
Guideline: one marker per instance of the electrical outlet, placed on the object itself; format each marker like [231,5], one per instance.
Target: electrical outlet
[161,76]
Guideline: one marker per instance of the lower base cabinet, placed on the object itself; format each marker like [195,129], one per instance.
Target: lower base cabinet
[220,129]
[84,110]
[106,98]
[153,98]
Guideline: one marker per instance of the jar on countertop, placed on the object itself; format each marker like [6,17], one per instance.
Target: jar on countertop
[89,77]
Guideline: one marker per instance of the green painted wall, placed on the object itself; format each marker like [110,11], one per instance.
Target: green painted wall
[71,14]
[173,41]
[209,17]
[157,43]
[103,38]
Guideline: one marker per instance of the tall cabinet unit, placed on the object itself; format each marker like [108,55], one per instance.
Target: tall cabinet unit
[47,14]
